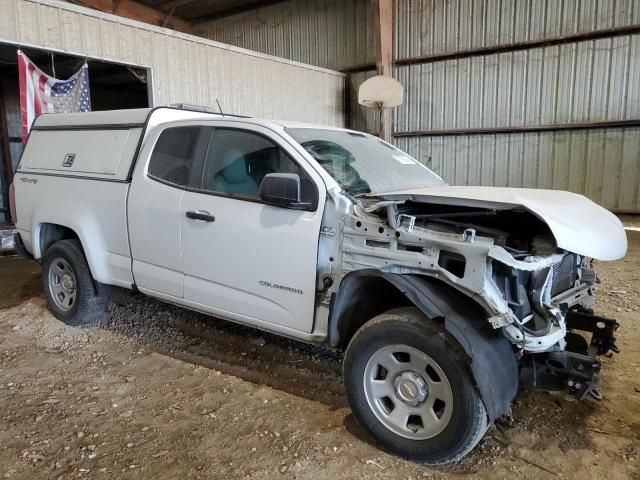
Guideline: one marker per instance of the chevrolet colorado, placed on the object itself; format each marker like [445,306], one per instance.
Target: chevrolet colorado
[445,299]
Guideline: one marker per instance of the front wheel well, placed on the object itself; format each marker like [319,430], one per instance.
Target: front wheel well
[358,303]
[363,294]
[51,233]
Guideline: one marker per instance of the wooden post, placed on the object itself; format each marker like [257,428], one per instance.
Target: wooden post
[383,29]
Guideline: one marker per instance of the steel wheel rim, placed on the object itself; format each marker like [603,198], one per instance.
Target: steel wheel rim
[408,392]
[62,284]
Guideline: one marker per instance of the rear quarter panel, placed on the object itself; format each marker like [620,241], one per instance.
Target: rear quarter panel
[94,209]
[74,173]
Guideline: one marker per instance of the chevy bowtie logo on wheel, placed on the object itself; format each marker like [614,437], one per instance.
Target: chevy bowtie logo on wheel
[281,287]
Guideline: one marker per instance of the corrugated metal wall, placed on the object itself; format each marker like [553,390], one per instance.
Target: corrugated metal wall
[428,27]
[185,68]
[482,72]
[335,34]
[575,82]
[603,164]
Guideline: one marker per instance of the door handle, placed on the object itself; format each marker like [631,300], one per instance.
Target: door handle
[201,215]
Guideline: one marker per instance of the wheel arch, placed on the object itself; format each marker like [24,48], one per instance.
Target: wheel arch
[366,293]
[48,233]
[87,298]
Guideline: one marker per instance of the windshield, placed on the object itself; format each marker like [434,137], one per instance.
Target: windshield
[362,163]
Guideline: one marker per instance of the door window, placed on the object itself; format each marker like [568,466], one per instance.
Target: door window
[173,154]
[238,160]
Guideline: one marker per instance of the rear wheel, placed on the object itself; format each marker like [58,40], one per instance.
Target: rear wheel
[409,386]
[68,284]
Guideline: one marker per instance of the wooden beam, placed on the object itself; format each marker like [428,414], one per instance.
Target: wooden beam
[136,11]
[383,33]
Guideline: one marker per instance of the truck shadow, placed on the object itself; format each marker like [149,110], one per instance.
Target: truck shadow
[297,368]
[539,421]
[20,280]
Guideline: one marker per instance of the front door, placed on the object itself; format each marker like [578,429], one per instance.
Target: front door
[243,259]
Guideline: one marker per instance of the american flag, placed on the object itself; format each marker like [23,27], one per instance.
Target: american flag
[40,93]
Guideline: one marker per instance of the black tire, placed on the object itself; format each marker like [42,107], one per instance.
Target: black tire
[467,422]
[87,306]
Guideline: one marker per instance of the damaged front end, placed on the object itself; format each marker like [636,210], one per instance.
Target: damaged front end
[553,312]
[536,293]
[575,368]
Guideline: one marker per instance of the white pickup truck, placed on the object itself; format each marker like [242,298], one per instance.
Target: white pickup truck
[445,298]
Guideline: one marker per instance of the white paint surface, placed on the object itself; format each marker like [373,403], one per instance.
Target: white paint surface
[578,224]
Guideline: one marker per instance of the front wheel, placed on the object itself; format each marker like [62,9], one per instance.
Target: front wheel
[409,386]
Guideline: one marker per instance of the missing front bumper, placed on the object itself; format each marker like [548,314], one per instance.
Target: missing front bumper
[575,369]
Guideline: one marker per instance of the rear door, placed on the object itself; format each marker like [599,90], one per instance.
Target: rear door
[242,258]
[154,209]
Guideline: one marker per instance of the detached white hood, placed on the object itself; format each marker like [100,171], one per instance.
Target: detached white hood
[578,224]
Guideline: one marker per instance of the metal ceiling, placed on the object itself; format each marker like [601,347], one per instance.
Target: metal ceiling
[197,11]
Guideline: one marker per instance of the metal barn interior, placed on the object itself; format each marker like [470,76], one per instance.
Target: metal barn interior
[522,93]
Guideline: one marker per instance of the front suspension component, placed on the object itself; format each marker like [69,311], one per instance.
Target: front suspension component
[602,328]
[556,371]
[576,368]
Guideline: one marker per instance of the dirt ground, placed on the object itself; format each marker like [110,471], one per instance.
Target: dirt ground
[159,392]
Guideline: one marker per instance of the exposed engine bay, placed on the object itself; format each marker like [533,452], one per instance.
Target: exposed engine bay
[508,260]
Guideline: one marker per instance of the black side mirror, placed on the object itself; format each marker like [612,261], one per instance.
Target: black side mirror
[282,190]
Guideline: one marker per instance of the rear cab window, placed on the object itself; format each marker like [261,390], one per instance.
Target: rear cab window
[173,155]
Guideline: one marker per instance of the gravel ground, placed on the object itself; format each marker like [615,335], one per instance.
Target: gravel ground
[156,391]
